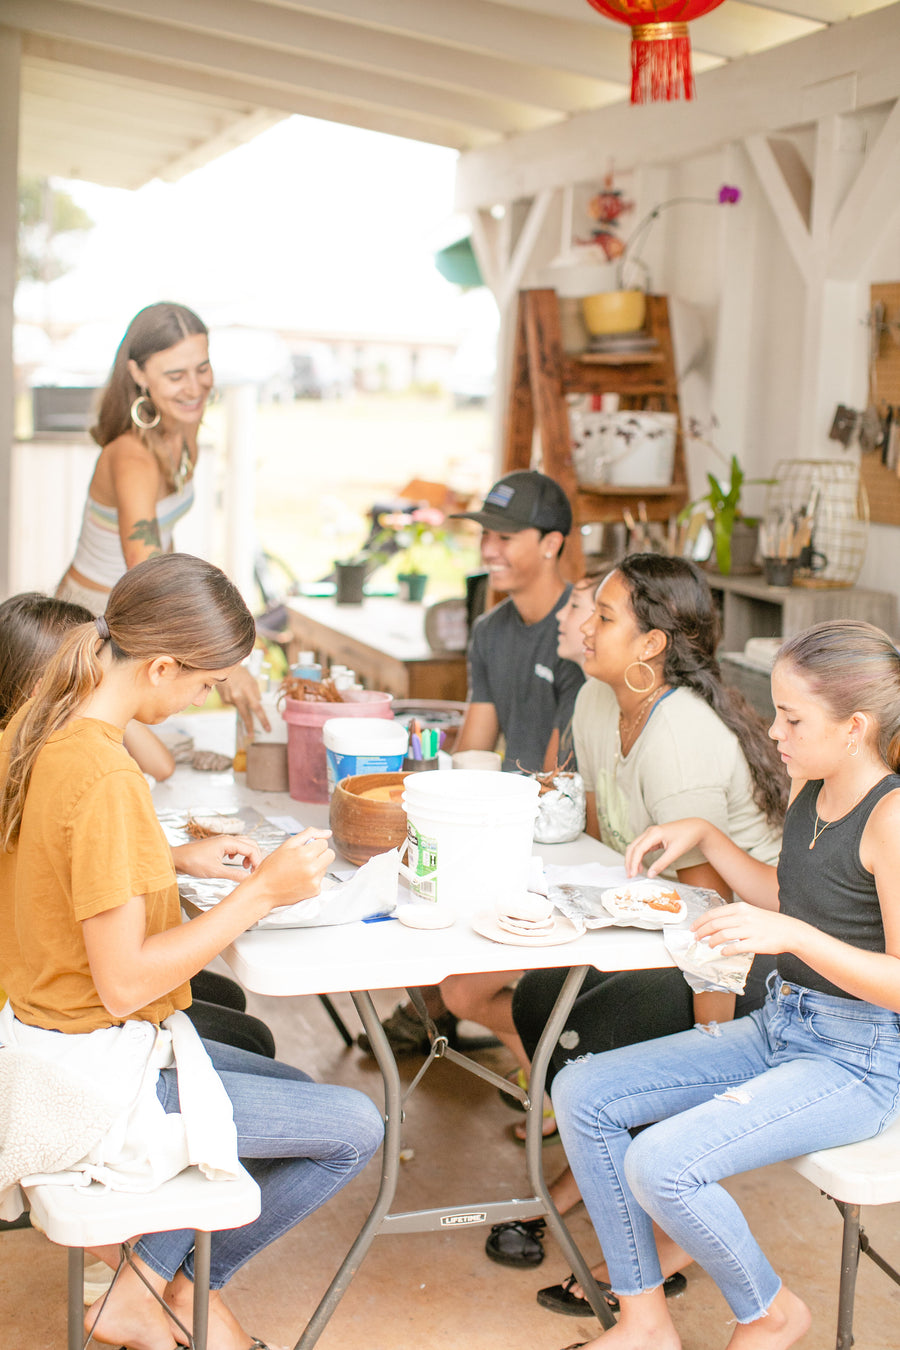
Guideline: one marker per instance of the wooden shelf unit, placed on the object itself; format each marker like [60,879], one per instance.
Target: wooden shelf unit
[544,374]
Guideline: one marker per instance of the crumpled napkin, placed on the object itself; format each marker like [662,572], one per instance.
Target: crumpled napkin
[369,891]
[704,967]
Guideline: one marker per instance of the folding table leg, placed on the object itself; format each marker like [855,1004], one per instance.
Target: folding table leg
[534,1143]
[336,1019]
[390,1171]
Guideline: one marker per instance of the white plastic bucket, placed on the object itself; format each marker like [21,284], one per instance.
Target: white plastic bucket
[640,448]
[355,745]
[470,837]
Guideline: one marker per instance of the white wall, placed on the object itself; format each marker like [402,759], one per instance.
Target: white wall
[739,302]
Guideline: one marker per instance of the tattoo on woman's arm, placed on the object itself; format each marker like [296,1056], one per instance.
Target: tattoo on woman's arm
[147,532]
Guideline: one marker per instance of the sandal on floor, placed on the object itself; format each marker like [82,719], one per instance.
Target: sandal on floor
[516,1243]
[559,1298]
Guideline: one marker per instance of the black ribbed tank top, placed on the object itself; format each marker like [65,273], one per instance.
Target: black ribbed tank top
[827,886]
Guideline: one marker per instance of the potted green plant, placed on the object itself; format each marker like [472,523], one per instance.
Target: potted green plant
[734,534]
[413,532]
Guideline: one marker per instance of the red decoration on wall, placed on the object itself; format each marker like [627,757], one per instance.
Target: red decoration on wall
[660,46]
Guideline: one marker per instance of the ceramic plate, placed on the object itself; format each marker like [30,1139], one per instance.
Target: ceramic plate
[562,931]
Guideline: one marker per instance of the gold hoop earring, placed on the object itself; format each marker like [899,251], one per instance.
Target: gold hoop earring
[136,410]
[852,748]
[644,666]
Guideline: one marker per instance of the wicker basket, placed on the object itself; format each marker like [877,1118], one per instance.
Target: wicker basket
[833,493]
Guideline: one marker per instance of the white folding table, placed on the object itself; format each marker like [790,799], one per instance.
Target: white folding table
[358,958]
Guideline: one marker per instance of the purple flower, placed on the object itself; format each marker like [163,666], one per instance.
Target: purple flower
[729,195]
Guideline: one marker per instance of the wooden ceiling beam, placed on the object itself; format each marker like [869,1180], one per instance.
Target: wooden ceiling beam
[759,94]
[185,84]
[371,47]
[206,52]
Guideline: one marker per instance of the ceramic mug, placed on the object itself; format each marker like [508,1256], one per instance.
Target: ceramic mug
[477,759]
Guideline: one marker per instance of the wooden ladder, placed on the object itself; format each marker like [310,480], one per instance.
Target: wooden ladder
[544,373]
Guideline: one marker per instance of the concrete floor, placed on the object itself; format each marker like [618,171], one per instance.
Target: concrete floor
[439,1292]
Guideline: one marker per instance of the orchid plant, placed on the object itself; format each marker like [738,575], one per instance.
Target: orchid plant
[726,196]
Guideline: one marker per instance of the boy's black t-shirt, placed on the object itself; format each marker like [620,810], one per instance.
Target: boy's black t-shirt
[514,666]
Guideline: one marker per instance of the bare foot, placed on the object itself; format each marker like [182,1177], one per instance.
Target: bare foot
[225,1331]
[129,1314]
[786,1323]
[644,1324]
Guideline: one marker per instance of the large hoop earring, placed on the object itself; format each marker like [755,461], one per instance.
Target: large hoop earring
[644,666]
[136,413]
[852,748]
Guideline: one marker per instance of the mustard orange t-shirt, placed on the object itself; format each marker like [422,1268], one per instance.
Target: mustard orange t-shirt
[89,841]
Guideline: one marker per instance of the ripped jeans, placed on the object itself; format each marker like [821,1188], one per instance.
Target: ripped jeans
[806,1071]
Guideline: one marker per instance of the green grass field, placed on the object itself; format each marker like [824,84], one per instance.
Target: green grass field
[321,465]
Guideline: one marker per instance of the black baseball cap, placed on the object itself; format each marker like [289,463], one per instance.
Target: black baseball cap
[523,500]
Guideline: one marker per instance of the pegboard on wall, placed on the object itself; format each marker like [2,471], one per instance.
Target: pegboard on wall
[883,484]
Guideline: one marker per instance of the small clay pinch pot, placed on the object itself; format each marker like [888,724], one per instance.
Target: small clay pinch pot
[362,826]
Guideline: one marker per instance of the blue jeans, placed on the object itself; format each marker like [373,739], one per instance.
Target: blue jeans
[806,1071]
[301,1142]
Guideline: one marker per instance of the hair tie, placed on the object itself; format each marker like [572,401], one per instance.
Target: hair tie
[102,628]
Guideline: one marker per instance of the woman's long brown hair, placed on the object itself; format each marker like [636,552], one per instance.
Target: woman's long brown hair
[671,594]
[171,604]
[154,329]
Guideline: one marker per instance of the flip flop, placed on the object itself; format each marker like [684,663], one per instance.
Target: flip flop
[559,1298]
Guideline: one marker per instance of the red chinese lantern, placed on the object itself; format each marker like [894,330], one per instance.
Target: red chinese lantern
[660,46]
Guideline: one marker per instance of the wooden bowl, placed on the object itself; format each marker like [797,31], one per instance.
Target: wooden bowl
[362,826]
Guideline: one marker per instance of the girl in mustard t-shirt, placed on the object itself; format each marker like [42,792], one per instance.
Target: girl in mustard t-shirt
[94,942]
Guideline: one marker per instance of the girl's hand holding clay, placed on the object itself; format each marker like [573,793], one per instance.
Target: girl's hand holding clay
[296,868]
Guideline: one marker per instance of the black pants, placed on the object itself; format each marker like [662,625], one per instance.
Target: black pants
[217,1011]
[616,1008]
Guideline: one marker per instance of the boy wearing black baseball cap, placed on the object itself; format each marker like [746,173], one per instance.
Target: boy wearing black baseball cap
[518,686]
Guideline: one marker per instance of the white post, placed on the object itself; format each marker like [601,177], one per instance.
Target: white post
[10,60]
[240,488]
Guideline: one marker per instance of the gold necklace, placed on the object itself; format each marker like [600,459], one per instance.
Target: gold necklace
[182,473]
[629,728]
[816,828]
[817,831]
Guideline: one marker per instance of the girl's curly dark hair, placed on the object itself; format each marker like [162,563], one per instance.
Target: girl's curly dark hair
[672,595]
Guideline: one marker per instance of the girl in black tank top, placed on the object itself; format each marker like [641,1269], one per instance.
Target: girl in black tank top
[819,1065]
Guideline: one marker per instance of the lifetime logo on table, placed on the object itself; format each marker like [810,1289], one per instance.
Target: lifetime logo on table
[455,1220]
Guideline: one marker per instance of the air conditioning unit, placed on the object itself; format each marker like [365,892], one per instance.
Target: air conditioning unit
[61,408]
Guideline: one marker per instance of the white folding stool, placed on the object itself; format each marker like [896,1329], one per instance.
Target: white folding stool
[867,1173]
[93,1216]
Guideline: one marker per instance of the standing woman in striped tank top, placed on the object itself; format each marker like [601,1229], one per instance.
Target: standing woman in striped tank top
[147,427]
[818,1065]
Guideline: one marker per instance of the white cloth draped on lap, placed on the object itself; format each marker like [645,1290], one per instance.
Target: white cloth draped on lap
[101,1086]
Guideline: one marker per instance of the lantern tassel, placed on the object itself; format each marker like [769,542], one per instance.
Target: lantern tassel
[661,63]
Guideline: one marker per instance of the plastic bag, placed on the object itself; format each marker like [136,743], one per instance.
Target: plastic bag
[560,816]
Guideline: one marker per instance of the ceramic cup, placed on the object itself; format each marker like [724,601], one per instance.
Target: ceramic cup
[477,759]
[780,571]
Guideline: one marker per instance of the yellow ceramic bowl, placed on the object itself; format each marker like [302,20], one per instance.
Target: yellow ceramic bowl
[614,312]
